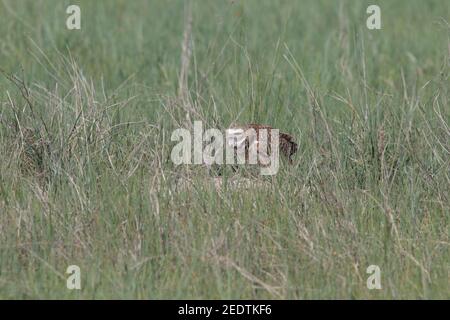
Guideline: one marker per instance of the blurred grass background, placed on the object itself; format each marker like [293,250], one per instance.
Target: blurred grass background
[86,176]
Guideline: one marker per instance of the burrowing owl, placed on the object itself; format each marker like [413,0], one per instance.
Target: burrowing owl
[250,134]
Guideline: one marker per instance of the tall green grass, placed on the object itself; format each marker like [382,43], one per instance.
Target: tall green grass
[86,177]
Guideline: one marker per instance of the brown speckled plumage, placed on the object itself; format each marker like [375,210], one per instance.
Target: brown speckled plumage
[288,147]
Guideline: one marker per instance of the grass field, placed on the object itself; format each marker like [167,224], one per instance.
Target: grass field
[85,171]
